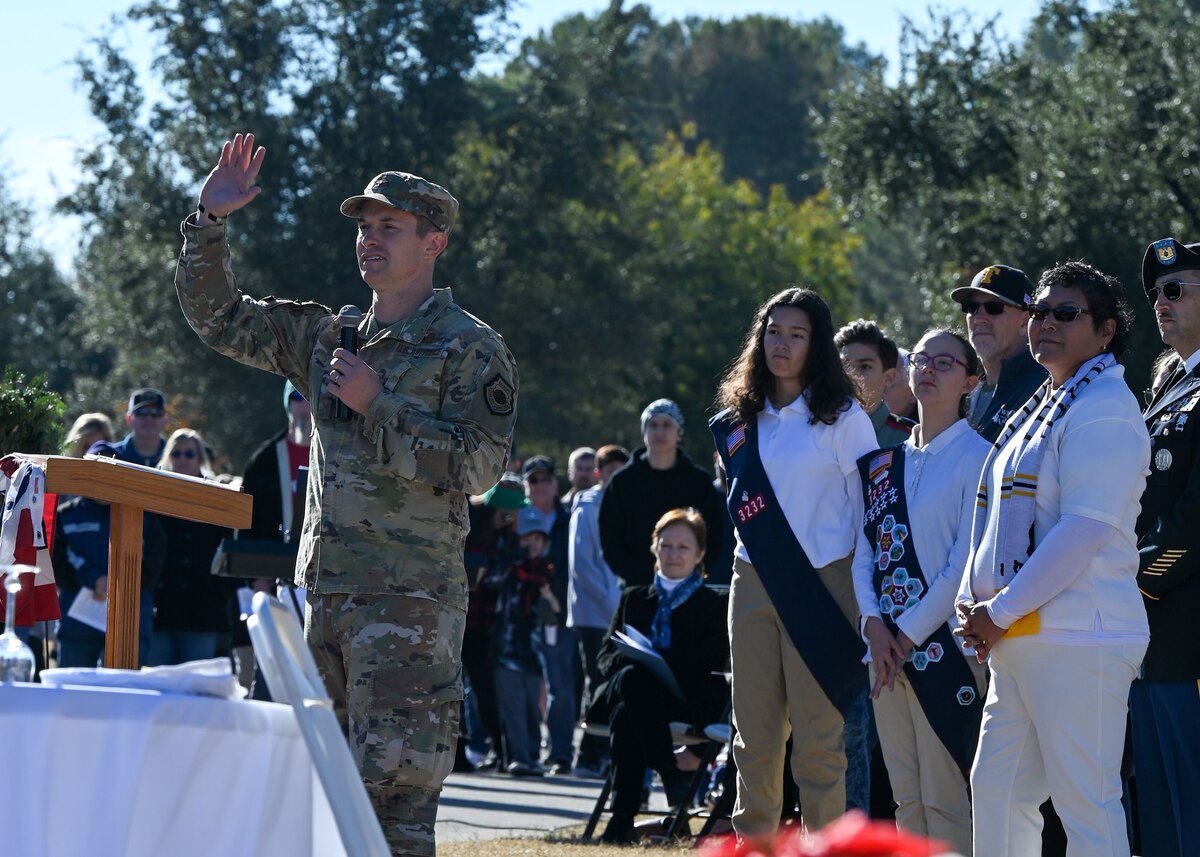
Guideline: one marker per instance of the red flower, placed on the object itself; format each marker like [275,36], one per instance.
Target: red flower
[852,835]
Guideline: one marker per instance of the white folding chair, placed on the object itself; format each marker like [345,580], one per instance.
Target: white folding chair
[293,679]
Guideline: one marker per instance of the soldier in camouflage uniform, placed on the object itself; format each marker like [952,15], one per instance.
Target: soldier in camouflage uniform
[432,396]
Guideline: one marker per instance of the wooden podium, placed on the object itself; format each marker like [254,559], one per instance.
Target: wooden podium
[131,489]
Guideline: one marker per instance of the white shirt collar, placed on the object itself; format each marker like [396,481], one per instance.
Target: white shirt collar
[944,439]
[799,405]
[1193,361]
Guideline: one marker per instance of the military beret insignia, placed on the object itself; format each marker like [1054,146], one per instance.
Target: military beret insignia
[499,395]
[1165,250]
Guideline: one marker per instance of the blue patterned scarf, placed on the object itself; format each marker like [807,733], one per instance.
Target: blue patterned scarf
[660,628]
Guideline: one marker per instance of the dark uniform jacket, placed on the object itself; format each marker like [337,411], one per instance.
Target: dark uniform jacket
[699,647]
[1168,530]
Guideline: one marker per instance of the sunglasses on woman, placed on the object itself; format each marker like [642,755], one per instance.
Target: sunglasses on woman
[183,453]
[1172,290]
[922,360]
[990,307]
[1065,313]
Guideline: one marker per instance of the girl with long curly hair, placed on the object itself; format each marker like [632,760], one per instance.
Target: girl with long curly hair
[789,437]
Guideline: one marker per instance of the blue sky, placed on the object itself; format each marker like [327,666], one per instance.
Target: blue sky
[44,118]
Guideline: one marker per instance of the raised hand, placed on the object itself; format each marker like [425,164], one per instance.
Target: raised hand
[230,185]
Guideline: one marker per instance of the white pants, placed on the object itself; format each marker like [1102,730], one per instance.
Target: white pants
[1053,725]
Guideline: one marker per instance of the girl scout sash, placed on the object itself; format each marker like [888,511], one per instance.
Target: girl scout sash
[818,629]
[939,675]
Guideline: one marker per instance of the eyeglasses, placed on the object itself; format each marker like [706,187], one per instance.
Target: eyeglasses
[1172,290]
[539,478]
[921,360]
[1065,313]
[990,307]
[152,413]
[189,454]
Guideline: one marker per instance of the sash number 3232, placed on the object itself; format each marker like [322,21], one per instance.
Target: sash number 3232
[750,508]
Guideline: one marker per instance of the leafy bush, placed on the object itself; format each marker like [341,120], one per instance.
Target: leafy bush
[31,415]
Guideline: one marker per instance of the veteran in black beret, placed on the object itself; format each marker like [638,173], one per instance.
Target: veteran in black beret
[994,304]
[1164,701]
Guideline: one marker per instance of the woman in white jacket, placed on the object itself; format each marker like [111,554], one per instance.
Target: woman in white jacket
[1050,594]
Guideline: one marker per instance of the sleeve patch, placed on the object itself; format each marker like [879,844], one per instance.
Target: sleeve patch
[499,395]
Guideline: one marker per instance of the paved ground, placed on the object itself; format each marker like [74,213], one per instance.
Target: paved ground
[497,806]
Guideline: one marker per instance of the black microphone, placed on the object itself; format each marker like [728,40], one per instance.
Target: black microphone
[350,316]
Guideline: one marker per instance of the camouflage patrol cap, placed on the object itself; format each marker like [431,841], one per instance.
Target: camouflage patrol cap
[408,193]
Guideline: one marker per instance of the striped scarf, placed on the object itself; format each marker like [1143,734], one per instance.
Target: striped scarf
[1030,427]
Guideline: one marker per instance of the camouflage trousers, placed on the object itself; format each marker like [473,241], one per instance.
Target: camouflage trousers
[392,666]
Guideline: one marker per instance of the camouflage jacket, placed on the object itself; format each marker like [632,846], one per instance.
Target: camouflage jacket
[385,508]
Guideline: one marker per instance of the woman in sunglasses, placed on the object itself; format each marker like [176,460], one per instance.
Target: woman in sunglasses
[193,608]
[919,500]
[1049,596]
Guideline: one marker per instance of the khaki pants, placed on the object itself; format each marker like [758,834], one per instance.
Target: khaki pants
[772,686]
[929,789]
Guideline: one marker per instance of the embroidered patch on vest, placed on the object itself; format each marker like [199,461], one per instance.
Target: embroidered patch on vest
[736,438]
[750,507]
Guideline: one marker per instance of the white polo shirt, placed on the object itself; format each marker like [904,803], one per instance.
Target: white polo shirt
[813,471]
[941,480]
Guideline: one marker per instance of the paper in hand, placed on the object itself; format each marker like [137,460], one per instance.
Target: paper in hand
[86,609]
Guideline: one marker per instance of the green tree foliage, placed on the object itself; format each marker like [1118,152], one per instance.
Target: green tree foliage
[754,87]
[31,415]
[649,294]
[1079,143]
[39,314]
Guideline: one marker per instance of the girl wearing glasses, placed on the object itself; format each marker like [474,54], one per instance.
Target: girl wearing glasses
[919,500]
[789,441]
[193,608]
[1049,596]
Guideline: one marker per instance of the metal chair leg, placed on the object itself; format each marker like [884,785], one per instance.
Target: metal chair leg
[601,805]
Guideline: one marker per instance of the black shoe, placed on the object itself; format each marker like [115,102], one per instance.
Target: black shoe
[619,831]
[520,769]
[560,768]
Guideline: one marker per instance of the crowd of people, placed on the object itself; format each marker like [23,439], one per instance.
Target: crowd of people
[973,519]
[936,551]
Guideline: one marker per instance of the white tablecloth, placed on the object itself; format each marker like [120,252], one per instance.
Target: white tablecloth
[126,773]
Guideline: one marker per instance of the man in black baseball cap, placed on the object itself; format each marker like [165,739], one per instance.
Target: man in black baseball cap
[996,323]
[1164,707]
[146,416]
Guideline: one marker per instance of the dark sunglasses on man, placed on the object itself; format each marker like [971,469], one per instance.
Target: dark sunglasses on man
[990,307]
[151,413]
[1172,290]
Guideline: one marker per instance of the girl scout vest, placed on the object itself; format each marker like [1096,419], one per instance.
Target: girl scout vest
[938,674]
[818,629]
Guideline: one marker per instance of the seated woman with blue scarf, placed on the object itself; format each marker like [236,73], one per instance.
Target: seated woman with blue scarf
[686,622]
